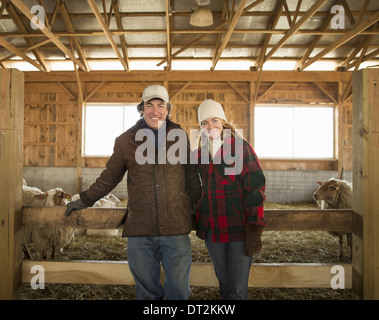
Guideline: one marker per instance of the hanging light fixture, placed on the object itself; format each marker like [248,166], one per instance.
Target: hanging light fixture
[202,15]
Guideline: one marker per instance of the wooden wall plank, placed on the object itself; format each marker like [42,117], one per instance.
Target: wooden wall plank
[51,108]
[366,183]
[310,275]
[11,147]
[108,218]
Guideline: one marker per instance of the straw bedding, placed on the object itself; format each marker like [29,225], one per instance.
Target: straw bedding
[278,247]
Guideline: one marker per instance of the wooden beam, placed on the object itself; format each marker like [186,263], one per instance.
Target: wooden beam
[262,275]
[108,218]
[20,26]
[159,76]
[272,24]
[19,53]
[36,45]
[217,28]
[267,91]
[325,26]
[26,11]
[295,28]
[94,91]
[66,89]
[70,28]
[97,13]
[229,33]
[349,35]
[332,99]
[348,12]
[239,92]
[168,35]
[192,43]
[366,184]
[224,16]
[181,90]
[11,157]
[121,37]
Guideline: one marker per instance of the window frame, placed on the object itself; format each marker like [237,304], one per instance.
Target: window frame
[102,104]
[315,105]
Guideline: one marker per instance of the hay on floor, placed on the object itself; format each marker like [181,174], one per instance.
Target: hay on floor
[278,247]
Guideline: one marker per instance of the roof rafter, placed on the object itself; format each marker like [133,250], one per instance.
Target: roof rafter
[26,11]
[229,33]
[124,47]
[21,27]
[103,25]
[295,28]
[349,35]
[325,25]
[225,15]
[168,34]
[19,53]
[66,18]
[272,24]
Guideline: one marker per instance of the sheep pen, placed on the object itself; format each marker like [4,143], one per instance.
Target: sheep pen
[278,247]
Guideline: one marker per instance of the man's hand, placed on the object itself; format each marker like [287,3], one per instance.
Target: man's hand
[74,205]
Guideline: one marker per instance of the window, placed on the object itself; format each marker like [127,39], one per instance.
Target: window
[294,132]
[103,123]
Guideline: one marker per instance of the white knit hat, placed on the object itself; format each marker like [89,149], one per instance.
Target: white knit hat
[155,91]
[210,109]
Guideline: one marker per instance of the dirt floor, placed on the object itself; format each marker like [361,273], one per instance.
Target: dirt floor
[278,247]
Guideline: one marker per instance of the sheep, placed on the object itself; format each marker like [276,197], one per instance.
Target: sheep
[109,201]
[336,194]
[46,240]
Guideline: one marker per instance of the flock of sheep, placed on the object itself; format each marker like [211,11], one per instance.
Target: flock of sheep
[332,194]
[49,240]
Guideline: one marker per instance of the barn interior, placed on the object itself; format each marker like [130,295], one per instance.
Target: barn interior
[253,53]
[249,55]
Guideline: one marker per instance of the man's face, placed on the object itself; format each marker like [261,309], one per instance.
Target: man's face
[155,113]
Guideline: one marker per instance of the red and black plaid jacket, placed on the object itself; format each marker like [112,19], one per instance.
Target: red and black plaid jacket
[230,201]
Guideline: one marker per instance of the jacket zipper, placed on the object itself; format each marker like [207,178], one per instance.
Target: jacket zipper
[156,198]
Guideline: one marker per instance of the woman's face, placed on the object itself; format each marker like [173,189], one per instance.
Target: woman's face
[212,127]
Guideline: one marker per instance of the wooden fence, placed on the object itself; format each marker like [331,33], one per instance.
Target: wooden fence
[300,275]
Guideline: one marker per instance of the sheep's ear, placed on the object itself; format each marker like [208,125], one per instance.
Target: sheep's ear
[39,196]
[319,183]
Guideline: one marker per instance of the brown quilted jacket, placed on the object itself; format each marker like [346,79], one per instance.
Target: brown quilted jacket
[159,195]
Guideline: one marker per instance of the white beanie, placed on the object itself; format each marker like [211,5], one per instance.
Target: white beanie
[210,109]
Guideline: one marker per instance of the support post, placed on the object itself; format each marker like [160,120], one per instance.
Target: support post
[366,184]
[11,152]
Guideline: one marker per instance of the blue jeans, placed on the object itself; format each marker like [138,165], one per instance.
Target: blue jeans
[232,267]
[145,255]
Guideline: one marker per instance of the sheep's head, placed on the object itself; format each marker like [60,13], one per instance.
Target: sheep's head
[327,191]
[57,197]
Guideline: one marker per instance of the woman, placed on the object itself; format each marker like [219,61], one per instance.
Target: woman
[229,215]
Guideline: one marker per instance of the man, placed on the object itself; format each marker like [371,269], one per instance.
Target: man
[160,194]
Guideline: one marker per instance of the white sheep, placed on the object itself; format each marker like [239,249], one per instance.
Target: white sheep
[46,240]
[336,194]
